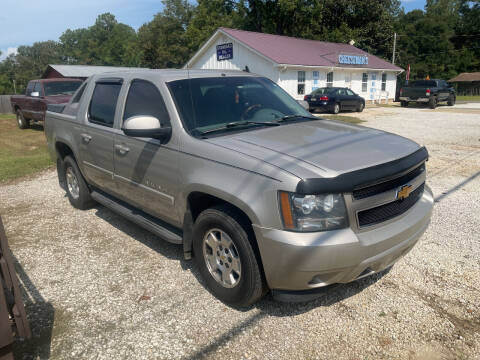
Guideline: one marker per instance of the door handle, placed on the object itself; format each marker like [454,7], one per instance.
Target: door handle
[86,138]
[122,149]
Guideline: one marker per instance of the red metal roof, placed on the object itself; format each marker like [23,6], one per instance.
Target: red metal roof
[296,51]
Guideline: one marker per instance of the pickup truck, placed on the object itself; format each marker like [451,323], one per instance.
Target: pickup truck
[430,92]
[259,192]
[38,95]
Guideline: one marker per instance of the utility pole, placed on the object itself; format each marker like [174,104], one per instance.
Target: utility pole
[394,46]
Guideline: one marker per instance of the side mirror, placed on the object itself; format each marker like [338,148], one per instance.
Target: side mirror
[146,127]
[35,94]
[304,104]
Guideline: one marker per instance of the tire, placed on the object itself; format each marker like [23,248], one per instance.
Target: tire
[21,121]
[451,100]
[360,107]
[77,189]
[432,103]
[404,103]
[245,284]
[335,109]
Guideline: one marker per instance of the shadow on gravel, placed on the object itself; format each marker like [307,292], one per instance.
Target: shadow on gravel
[457,187]
[40,314]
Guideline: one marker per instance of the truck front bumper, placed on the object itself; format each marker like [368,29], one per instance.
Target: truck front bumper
[302,261]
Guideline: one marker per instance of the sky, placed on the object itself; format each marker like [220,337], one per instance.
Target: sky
[23,22]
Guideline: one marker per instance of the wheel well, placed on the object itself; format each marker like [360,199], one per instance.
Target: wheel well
[198,202]
[64,150]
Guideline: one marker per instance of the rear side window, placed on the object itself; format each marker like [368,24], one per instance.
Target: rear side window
[144,98]
[38,88]
[30,87]
[78,95]
[104,102]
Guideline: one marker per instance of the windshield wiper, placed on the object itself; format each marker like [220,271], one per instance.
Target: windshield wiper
[296,116]
[239,123]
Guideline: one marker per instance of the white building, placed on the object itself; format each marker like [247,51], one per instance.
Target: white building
[299,65]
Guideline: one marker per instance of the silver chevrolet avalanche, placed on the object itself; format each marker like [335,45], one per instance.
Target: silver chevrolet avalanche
[260,193]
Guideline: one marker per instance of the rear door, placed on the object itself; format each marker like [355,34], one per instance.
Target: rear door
[37,102]
[98,134]
[146,170]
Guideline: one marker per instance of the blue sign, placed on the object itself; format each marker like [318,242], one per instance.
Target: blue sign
[353,59]
[224,52]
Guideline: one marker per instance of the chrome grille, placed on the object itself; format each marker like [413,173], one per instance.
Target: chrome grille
[389,211]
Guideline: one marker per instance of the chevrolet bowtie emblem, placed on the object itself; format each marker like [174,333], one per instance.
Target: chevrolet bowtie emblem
[404,192]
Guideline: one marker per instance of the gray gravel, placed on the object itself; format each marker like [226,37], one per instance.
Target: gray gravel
[100,287]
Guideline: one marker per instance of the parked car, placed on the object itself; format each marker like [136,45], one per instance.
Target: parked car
[429,92]
[40,93]
[334,100]
[262,194]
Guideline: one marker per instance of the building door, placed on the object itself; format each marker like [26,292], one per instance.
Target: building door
[348,80]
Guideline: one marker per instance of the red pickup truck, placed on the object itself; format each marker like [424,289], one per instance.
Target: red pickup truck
[39,94]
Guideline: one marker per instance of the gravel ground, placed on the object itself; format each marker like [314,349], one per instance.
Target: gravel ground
[100,287]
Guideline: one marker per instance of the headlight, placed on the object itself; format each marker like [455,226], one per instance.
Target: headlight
[312,212]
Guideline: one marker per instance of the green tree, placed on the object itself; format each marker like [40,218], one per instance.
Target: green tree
[162,42]
[107,42]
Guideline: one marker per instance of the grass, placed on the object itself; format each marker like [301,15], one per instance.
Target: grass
[22,152]
[345,118]
[468,98]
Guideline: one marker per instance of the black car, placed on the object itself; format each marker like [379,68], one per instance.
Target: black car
[334,99]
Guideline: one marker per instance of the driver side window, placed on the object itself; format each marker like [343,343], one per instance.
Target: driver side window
[144,98]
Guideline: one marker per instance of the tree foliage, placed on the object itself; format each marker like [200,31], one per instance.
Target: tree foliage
[439,41]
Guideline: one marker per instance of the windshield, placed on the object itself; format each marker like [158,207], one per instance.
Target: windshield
[424,83]
[61,87]
[209,103]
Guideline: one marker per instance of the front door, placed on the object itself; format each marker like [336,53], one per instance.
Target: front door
[97,137]
[146,170]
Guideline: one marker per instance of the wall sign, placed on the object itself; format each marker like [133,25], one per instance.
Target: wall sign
[353,59]
[224,52]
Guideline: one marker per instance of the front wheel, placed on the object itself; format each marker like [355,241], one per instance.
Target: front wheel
[451,100]
[225,257]
[21,121]
[336,109]
[77,189]
[360,107]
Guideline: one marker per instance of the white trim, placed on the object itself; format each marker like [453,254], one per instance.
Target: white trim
[334,67]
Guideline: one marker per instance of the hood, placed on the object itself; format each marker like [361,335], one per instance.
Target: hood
[322,148]
[57,99]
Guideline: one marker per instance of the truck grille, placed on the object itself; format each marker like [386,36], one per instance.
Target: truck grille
[388,185]
[389,211]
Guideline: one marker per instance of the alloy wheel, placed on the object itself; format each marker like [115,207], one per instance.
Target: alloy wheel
[222,258]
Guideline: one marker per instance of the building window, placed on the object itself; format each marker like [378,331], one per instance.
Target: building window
[330,79]
[364,82]
[301,83]
[384,82]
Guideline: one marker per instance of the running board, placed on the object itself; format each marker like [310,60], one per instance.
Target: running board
[155,226]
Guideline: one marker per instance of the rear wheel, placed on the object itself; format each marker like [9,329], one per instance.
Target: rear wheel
[432,103]
[336,108]
[77,189]
[21,121]
[451,100]
[225,257]
[404,103]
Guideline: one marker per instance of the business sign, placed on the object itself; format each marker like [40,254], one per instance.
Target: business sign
[224,52]
[353,59]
